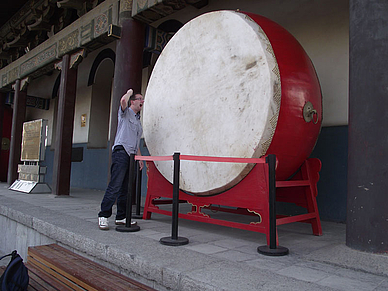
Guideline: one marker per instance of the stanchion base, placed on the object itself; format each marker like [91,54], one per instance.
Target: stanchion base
[279,251]
[137,216]
[123,228]
[169,241]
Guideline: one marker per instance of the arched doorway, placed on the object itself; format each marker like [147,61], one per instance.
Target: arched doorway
[100,78]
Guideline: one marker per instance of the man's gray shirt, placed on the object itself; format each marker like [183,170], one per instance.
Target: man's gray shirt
[129,130]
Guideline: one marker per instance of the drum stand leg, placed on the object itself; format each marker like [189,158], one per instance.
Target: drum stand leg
[302,191]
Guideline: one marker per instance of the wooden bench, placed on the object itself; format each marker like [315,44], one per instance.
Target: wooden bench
[52,267]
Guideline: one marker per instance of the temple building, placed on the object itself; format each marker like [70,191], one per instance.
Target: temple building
[68,62]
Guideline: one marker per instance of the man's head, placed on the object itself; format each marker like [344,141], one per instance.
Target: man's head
[137,101]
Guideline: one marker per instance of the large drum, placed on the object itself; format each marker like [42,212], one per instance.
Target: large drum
[231,84]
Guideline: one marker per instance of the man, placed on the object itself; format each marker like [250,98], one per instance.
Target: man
[127,140]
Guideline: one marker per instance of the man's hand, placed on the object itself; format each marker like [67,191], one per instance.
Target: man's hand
[124,100]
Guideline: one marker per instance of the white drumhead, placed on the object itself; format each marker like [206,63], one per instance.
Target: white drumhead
[214,91]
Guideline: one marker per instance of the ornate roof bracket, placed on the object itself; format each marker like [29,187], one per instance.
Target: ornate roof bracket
[18,41]
[41,17]
[80,5]
[75,59]
[74,4]
[17,37]
[24,83]
[3,55]
[151,11]
[37,12]
[23,15]
[15,30]
[39,24]
[89,32]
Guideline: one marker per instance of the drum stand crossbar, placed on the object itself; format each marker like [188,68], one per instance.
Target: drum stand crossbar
[249,197]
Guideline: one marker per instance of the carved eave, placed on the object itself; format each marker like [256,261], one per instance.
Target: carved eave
[28,11]
[18,41]
[36,21]
[151,11]
[81,6]
[40,24]
[3,54]
[89,32]
[15,36]
[41,19]
[75,59]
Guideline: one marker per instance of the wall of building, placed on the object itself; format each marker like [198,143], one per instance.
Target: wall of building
[43,87]
[332,150]
[92,171]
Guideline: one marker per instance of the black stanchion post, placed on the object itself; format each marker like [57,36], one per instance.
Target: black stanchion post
[138,192]
[174,240]
[128,227]
[272,249]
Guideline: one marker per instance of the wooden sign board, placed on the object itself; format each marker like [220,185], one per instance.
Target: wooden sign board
[33,140]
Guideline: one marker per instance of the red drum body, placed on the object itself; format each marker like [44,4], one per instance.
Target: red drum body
[231,84]
[294,138]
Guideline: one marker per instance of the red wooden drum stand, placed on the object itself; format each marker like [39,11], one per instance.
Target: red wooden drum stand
[249,197]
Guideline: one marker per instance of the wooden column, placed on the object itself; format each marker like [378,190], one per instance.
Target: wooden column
[2,105]
[19,113]
[64,129]
[367,214]
[128,67]
[3,161]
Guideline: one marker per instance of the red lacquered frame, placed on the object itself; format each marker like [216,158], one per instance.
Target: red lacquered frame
[249,197]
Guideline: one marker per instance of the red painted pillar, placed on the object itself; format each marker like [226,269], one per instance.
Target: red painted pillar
[128,67]
[3,177]
[19,113]
[64,130]
[2,105]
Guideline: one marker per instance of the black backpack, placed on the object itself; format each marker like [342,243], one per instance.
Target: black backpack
[15,276]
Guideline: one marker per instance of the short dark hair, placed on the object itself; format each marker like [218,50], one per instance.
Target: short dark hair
[133,96]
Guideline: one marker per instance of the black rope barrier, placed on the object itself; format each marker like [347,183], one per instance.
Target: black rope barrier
[272,249]
[175,240]
[128,227]
[138,192]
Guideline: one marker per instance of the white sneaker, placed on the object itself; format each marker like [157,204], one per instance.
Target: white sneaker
[123,221]
[103,223]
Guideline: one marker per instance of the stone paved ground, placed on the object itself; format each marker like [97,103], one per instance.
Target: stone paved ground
[216,258]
